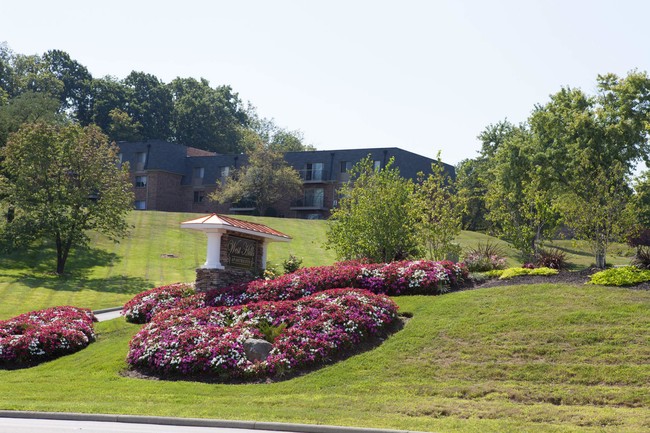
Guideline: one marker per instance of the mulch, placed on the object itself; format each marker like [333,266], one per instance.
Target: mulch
[564,276]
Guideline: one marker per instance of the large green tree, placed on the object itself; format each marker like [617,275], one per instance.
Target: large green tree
[374,218]
[150,105]
[64,181]
[589,145]
[205,117]
[263,181]
[519,195]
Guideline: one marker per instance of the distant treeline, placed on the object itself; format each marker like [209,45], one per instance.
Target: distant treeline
[55,87]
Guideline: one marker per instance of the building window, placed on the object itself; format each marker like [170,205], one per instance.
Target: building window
[314,197]
[346,166]
[224,172]
[119,160]
[314,171]
[199,196]
[140,204]
[140,181]
[140,159]
[197,175]
[377,165]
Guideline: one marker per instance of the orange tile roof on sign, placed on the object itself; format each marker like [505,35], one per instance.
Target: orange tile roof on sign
[233,222]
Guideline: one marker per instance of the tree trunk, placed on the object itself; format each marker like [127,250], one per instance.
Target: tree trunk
[62,251]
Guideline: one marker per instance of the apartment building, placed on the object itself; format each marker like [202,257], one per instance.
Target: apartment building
[172,177]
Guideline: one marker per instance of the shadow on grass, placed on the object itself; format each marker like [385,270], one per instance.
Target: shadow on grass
[71,283]
[35,268]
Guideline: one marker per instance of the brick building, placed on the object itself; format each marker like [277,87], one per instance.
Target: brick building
[173,177]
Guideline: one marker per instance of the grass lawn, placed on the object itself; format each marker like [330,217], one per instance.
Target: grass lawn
[539,358]
[109,274]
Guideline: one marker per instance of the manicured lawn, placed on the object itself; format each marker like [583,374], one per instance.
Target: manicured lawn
[157,252]
[542,358]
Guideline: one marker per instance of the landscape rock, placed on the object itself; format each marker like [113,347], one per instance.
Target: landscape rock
[256,349]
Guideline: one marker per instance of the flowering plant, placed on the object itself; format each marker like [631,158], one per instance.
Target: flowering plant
[395,278]
[142,307]
[45,334]
[211,339]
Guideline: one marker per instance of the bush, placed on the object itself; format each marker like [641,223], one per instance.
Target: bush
[623,276]
[306,332]
[292,264]
[553,258]
[485,257]
[642,257]
[42,335]
[517,272]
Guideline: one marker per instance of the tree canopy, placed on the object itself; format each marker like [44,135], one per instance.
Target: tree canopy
[263,181]
[141,106]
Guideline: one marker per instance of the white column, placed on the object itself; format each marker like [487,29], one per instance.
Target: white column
[213,259]
[265,244]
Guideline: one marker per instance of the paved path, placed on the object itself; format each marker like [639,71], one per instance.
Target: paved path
[108,314]
[18,425]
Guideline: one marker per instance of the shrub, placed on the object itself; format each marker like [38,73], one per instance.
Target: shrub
[553,258]
[145,305]
[623,276]
[642,257]
[292,264]
[485,257]
[308,332]
[517,272]
[42,335]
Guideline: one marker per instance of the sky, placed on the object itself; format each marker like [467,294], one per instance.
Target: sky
[425,76]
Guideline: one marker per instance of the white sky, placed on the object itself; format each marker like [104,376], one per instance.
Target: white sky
[420,75]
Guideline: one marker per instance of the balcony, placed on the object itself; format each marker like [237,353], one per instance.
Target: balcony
[312,175]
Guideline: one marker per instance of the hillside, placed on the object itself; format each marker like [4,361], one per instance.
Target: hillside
[158,252]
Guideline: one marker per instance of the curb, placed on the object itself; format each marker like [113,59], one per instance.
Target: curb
[194,422]
[107,310]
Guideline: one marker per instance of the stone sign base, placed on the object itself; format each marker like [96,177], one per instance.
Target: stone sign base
[208,279]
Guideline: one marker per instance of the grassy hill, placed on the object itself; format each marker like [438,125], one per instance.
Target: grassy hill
[538,358]
[158,252]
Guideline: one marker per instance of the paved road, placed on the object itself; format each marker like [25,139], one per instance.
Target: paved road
[20,425]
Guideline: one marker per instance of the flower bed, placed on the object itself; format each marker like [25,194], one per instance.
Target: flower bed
[143,306]
[396,278]
[41,335]
[210,340]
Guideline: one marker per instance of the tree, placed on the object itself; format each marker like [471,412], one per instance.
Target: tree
[266,179]
[374,219]
[266,132]
[150,105]
[210,119]
[589,145]
[519,196]
[437,212]
[28,107]
[64,181]
[474,175]
[75,97]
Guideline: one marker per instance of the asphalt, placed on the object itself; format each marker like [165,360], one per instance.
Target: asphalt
[28,422]
[107,313]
